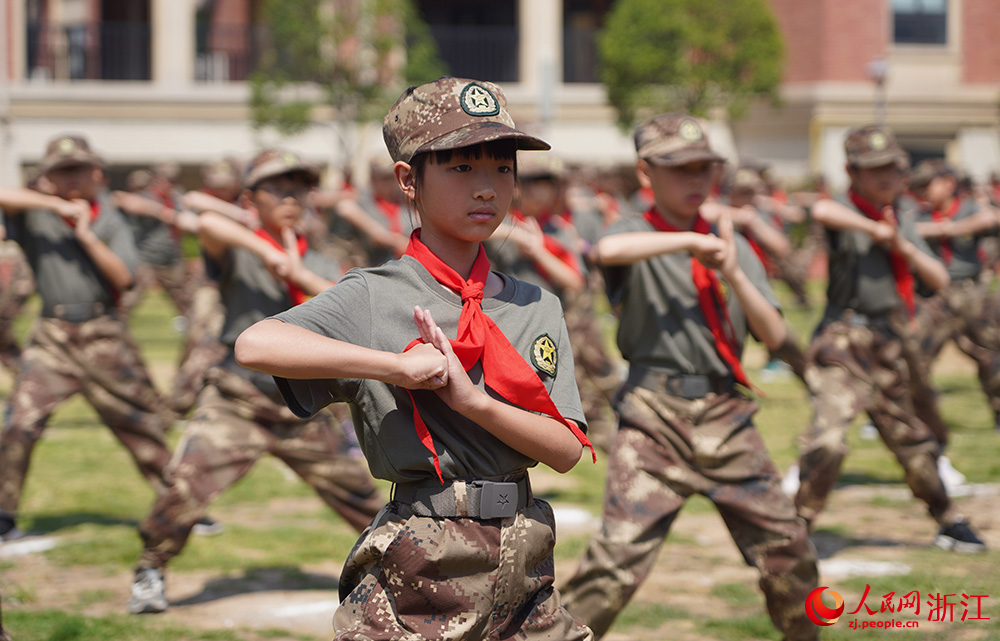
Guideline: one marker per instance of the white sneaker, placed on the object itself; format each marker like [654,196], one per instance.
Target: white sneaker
[148,592]
[790,484]
[951,477]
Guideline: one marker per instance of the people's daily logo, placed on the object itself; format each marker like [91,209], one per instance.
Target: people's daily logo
[818,612]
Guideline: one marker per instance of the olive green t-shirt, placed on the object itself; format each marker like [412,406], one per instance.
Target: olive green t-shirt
[250,293]
[860,270]
[374,308]
[508,259]
[64,272]
[661,323]
[964,263]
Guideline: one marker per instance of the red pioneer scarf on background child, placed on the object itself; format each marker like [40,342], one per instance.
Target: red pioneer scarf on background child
[297,295]
[710,298]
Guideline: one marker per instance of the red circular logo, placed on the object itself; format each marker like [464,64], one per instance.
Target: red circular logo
[817,611]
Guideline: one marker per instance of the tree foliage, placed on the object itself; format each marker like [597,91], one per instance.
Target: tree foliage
[689,55]
[353,56]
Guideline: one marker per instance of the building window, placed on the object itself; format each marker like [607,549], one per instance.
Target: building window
[920,22]
[475,38]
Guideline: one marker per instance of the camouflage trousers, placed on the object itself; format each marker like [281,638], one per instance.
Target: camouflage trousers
[597,376]
[174,279]
[233,425]
[99,359]
[852,368]
[667,449]
[16,286]
[411,578]
[966,313]
[3,633]
[202,349]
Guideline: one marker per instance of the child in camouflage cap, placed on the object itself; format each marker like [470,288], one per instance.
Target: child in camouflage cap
[463,551]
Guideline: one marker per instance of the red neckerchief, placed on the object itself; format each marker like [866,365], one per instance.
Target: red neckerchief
[947,254]
[504,369]
[900,269]
[710,299]
[297,295]
[552,245]
[163,196]
[95,211]
[391,211]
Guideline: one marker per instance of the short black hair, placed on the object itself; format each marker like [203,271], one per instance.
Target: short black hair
[504,149]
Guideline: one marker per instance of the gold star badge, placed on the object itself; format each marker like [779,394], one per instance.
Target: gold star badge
[689,131]
[66,147]
[877,141]
[544,355]
[477,100]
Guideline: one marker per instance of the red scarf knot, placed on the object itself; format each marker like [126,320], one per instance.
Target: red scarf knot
[900,268]
[710,299]
[294,291]
[504,369]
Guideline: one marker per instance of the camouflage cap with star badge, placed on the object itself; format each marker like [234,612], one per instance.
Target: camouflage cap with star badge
[278,162]
[68,150]
[450,113]
[673,139]
[874,146]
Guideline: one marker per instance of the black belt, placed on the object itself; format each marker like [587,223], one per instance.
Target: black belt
[688,386]
[465,498]
[77,312]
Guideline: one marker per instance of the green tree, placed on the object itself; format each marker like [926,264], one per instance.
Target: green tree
[689,55]
[351,56]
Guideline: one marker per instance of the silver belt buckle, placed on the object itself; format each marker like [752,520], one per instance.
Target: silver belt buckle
[498,500]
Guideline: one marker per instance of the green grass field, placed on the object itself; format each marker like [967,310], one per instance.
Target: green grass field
[83,489]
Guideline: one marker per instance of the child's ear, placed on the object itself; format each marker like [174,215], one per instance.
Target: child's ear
[404,178]
[642,170]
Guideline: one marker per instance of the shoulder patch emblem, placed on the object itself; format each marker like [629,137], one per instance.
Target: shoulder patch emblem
[689,131]
[724,289]
[877,141]
[477,100]
[544,355]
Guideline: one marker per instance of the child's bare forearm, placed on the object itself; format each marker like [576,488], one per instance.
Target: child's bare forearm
[539,437]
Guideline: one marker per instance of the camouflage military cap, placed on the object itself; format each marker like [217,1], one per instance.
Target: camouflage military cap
[927,171]
[539,166]
[746,180]
[874,146]
[68,150]
[450,113]
[277,162]
[222,173]
[673,139]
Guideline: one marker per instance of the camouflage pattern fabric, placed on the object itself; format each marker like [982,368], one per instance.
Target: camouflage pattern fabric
[3,633]
[597,376]
[174,279]
[411,578]
[965,312]
[100,360]
[233,425]
[16,285]
[202,349]
[668,448]
[854,368]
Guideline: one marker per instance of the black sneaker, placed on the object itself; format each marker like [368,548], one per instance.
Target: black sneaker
[8,529]
[207,526]
[149,594]
[959,537]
